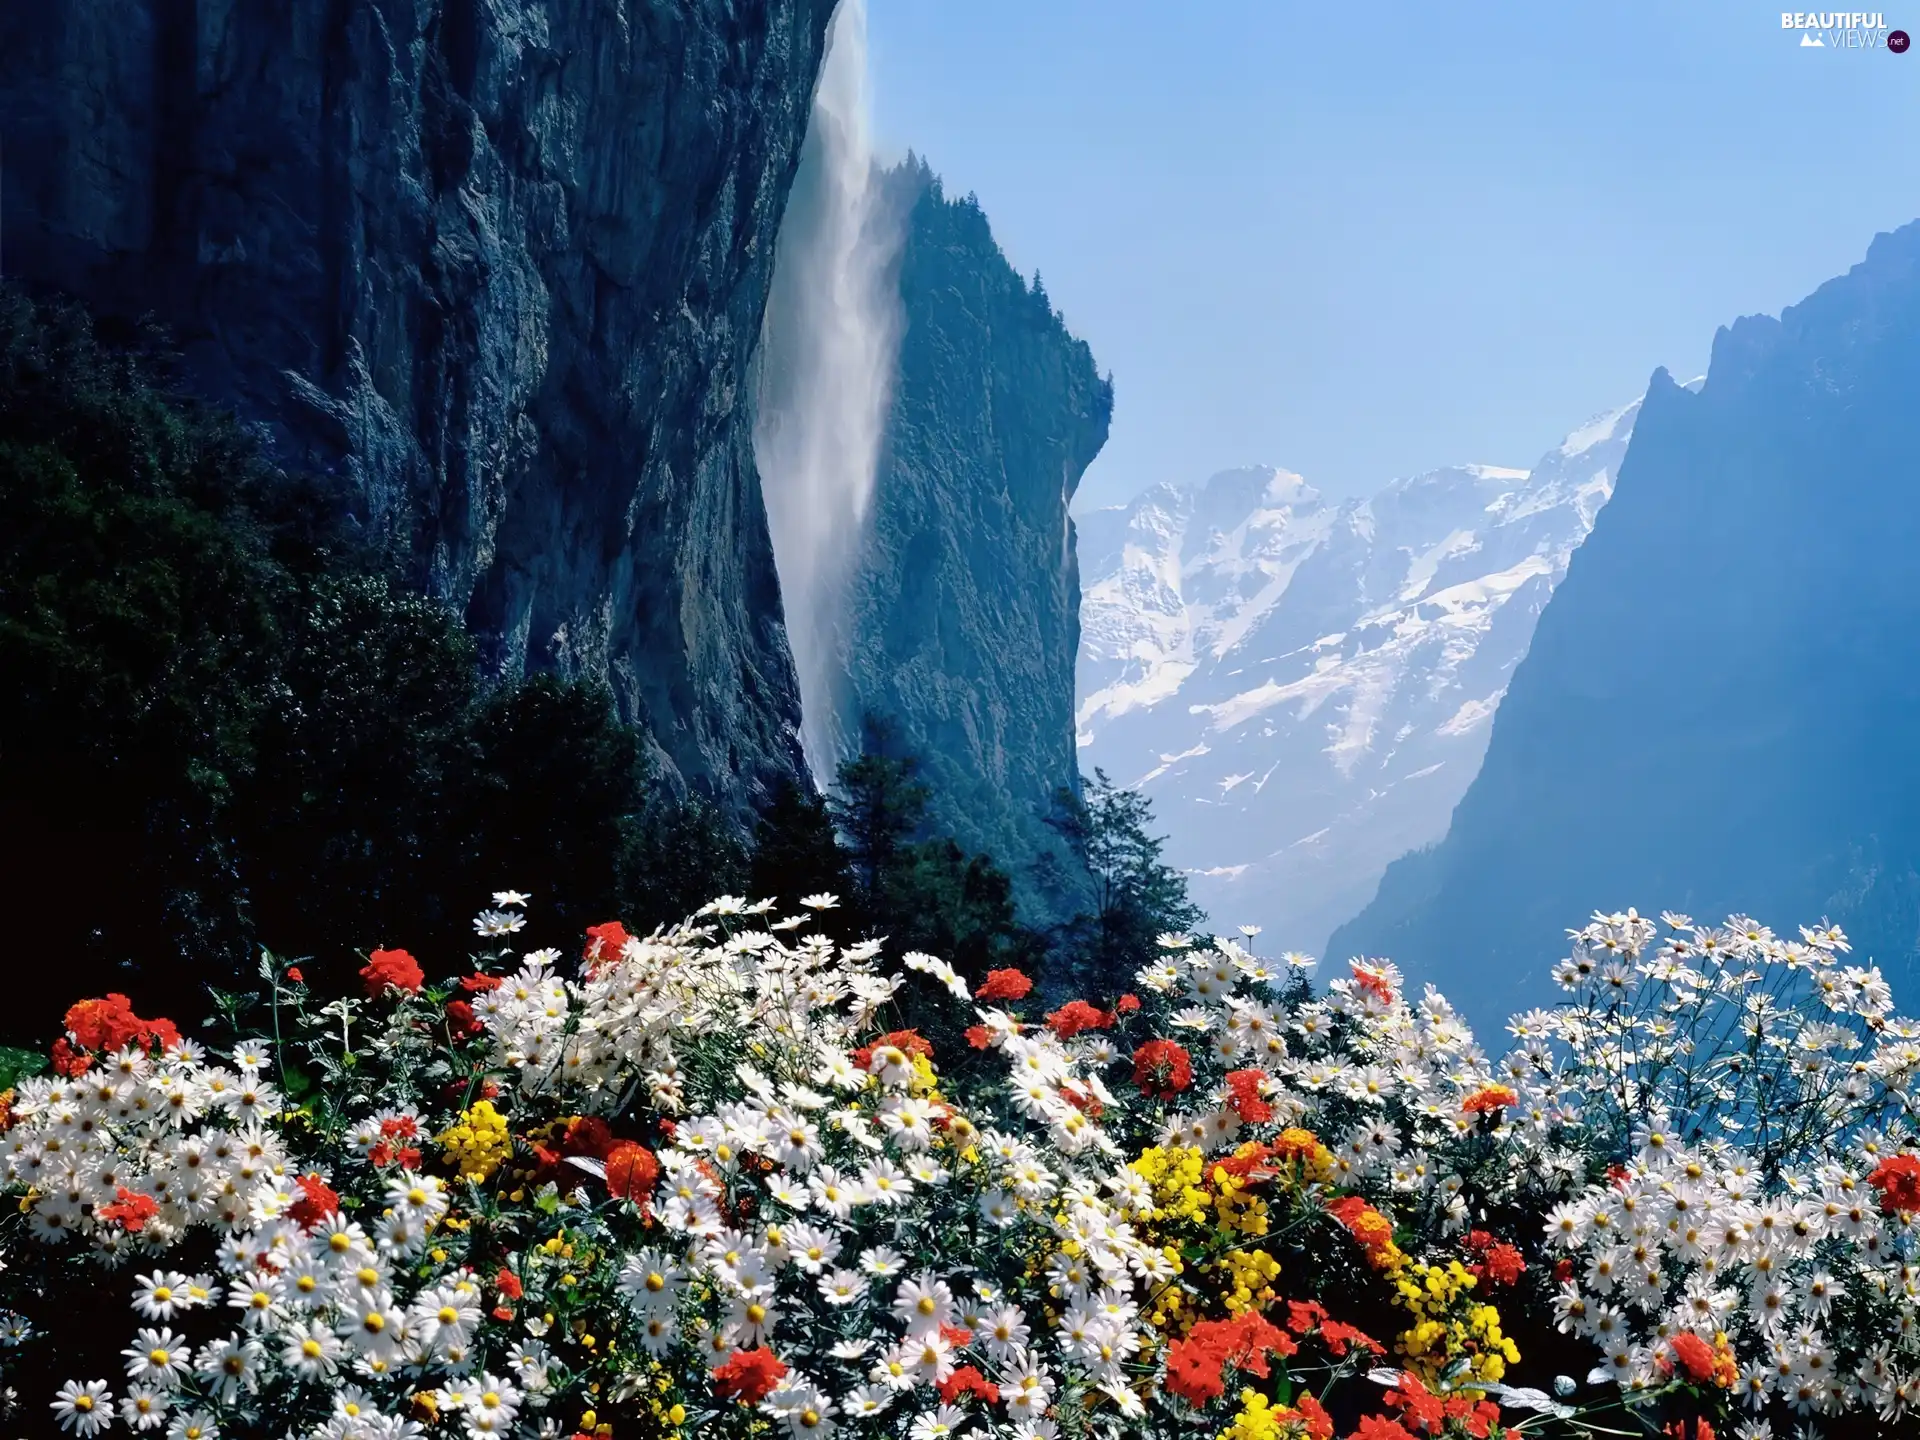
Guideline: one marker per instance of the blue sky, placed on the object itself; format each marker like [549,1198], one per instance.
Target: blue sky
[1361,241]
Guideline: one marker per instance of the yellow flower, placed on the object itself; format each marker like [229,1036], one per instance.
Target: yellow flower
[477,1144]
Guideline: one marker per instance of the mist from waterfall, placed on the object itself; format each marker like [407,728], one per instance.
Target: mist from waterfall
[827,356]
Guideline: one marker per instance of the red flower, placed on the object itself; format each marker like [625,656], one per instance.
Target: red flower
[749,1375]
[1697,1429]
[1248,1162]
[1243,1096]
[632,1172]
[1496,1261]
[1077,1015]
[68,1062]
[1372,981]
[588,1135]
[911,1041]
[477,983]
[1503,1266]
[508,1284]
[462,1021]
[1126,1004]
[1162,1069]
[294,977]
[1897,1178]
[1562,1271]
[1378,1427]
[1339,1337]
[1193,1372]
[1319,1423]
[503,1312]
[1417,1404]
[129,1210]
[1488,1099]
[392,967]
[1194,1364]
[978,1037]
[968,1381]
[1085,1101]
[1694,1354]
[1303,1315]
[1004,985]
[110,1023]
[958,1336]
[315,1204]
[604,943]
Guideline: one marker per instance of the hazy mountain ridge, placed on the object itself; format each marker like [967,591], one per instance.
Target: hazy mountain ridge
[1716,712]
[1305,688]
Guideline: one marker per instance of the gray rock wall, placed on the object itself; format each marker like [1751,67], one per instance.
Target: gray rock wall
[966,610]
[499,265]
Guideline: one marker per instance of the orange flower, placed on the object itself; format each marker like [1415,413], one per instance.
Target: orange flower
[632,1172]
[1488,1099]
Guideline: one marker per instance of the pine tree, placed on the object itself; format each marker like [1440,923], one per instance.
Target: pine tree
[1137,896]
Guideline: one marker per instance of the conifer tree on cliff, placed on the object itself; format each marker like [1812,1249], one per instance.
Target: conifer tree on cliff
[1137,896]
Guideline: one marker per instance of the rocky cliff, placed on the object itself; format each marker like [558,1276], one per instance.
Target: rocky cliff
[965,611]
[1717,710]
[498,266]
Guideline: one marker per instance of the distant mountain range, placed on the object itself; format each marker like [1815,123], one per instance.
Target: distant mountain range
[1718,710]
[1305,689]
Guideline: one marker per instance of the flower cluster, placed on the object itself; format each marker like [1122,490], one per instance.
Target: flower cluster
[715,1180]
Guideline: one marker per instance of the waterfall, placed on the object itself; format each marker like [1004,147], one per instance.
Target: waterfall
[827,354]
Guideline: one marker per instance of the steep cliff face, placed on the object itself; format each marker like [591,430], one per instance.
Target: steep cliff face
[1717,710]
[497,264]
[965,612]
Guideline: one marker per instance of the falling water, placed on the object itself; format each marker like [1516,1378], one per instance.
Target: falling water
[826,368]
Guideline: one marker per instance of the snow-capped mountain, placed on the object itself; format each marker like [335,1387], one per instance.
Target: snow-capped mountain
[1305,689]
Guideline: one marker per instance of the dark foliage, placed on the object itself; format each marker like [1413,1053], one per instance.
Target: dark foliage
[1137,896]
[224,725]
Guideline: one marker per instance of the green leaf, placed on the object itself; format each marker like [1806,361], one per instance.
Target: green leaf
[299,1083]
[16,1063]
